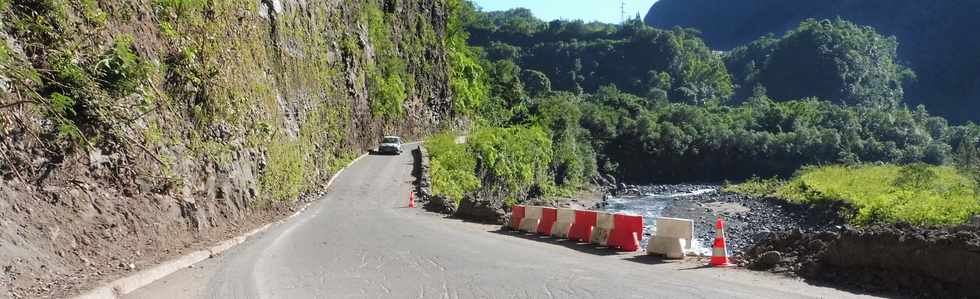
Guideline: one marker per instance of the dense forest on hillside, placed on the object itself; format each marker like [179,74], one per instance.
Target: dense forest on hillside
[656,105]
[934,36]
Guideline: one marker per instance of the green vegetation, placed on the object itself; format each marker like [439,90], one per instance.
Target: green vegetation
[92,12]
[517,158]
[650,105]
[121,71]
[504,163]
[845,63]
[466,76]
[387,76]
[580,57]
[946,80]
[285,176]
[452,167]
[915,193]
[4,54]
[678,142]
[657,106]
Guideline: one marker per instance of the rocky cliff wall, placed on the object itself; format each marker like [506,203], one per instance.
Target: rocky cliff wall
[134,131]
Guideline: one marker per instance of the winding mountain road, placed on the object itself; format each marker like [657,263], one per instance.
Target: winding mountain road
[360,241]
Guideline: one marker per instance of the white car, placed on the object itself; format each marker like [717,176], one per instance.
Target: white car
[390,145]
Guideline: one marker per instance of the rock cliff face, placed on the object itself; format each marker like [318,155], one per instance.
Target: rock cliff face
[934,37]
[134,131]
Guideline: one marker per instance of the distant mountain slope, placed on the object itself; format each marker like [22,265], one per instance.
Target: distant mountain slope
[936,38]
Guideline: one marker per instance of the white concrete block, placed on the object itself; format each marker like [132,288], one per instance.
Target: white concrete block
[675,228]
[672,248]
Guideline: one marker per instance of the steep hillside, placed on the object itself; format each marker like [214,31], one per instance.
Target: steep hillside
[133,131]
[934,37]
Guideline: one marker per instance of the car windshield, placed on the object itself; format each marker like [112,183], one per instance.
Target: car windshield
[389,140]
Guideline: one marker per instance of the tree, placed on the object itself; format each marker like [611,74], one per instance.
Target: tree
[830,59]
[968,161]
[536,83]
[505,82]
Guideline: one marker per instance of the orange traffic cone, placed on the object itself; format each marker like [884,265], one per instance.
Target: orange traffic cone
[719,256]
[411,200]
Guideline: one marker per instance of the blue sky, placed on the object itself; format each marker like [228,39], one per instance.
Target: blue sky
[587,10]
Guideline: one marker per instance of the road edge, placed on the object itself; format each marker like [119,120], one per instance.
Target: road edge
[128,284]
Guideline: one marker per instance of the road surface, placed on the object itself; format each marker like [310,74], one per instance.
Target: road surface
[361,241]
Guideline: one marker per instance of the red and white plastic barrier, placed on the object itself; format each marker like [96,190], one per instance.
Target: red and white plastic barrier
[517,214]
[548,218]
[581,229]
[621,231]
[603,227]
[563,223]
[627,232]
[532,215]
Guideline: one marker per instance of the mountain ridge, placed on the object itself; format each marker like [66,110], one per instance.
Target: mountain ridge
[933,37]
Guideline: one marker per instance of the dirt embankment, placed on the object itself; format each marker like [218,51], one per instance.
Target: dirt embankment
[895,259]
[132,132]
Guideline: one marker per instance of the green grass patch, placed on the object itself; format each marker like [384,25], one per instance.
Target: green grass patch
[756,186]
[4,54]
[284,178]
[918,193]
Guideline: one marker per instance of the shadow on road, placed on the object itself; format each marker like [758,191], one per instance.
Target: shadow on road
[375,152]
[578,246]
[647,259]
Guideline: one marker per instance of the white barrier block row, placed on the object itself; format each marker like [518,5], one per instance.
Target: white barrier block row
[602,229]
[532,215]
[566,217]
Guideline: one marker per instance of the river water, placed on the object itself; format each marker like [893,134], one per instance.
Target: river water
[651,206]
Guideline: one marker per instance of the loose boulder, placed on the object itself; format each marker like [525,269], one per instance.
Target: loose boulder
[480,210]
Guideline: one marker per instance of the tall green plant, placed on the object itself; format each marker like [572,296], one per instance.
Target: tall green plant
[453,167]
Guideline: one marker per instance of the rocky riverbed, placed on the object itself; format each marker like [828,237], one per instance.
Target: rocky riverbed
[747,219]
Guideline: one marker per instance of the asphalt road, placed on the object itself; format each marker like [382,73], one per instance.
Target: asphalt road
[361,241]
